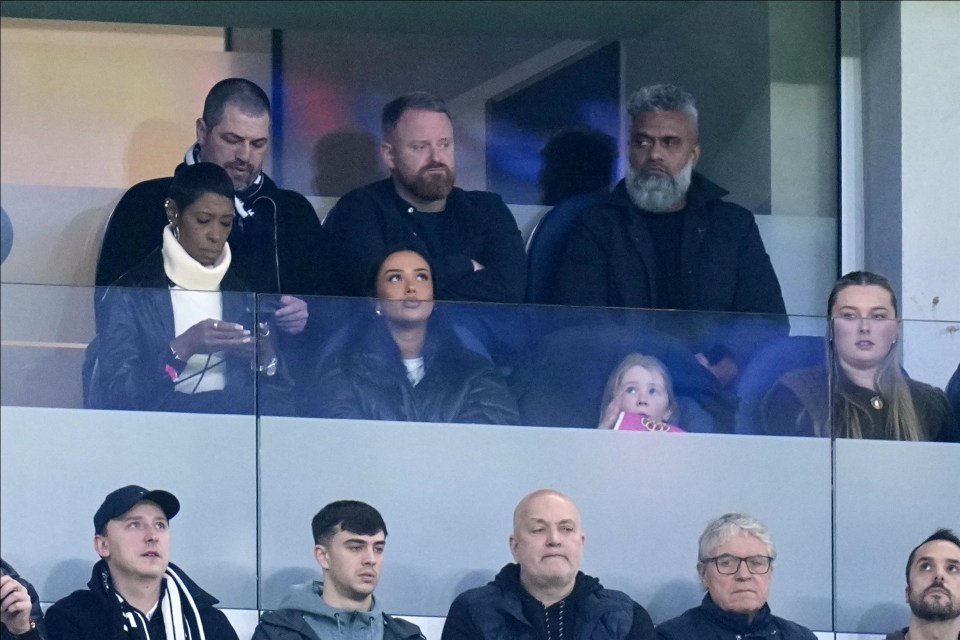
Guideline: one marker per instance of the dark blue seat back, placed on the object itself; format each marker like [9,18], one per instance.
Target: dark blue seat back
[546,243]
[765,368]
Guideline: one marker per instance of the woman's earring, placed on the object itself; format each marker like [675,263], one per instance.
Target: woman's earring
[176,233]
[377,310]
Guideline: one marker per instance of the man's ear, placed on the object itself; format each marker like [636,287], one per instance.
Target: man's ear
[513,546]
[322,557]
[101,545]
[696,154]
[201,131]
[388,155]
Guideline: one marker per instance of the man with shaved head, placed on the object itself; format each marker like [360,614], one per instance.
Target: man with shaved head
[544,595]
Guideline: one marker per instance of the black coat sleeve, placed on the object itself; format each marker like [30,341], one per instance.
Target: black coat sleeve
[582,278]
[216,626]
[302,247]
[642,628]
[354,239]
[133,365]
[133,230]
[757,289]
[459,625]
[499,250]
[488,400]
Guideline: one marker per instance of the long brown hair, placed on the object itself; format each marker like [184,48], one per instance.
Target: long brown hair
[849,416]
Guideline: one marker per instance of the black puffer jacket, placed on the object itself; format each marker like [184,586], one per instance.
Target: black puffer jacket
[135,325]
[366,380]
[503,610]
[710,622]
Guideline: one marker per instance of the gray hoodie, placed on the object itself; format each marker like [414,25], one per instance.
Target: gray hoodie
[304,615]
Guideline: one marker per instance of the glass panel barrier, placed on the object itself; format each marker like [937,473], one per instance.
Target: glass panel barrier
[59,461]
[891,495]
[371,435]
[455,485]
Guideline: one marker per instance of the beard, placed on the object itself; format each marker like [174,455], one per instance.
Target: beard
[940,610]
[428,187]
[658,193]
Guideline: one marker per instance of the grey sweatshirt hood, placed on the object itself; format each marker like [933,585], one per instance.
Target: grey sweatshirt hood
[328,622]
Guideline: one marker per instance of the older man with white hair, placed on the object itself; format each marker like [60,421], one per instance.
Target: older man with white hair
[736,567]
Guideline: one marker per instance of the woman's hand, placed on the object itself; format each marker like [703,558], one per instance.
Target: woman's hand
[209,336]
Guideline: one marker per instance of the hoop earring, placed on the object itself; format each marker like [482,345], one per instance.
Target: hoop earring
[176,233]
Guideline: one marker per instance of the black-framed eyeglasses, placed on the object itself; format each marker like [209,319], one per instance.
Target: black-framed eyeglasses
[728,564]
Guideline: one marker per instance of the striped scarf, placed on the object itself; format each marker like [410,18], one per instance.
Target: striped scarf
[181,619]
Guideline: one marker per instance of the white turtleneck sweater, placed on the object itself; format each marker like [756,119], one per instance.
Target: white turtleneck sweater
[195,296]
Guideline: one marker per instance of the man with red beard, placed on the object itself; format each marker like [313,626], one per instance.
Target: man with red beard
[933,589]
[470,236]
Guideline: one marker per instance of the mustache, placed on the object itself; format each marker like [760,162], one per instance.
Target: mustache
[435,165]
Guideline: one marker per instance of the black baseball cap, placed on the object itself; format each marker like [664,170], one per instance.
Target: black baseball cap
[122,500]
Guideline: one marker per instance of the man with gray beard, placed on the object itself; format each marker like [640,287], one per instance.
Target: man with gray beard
[470,236]
[664,238]
[933,589]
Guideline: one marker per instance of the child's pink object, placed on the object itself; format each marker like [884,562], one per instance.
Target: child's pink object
[641,422]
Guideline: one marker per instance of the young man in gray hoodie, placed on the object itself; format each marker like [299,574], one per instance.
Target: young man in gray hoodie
[349,538]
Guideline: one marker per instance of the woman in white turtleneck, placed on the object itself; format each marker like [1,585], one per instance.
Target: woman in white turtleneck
[170,338]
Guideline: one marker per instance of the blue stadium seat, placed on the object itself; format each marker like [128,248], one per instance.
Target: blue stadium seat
[765,368]
[546,243]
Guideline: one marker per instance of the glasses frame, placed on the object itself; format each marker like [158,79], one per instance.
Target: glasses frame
[740,561]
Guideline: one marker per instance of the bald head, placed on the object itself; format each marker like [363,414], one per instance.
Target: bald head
[535,498]
[547,543]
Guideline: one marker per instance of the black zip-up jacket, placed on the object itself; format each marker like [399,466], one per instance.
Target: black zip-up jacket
[503,610]
[710,622]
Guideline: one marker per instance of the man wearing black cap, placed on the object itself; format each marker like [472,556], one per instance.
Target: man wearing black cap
[135,592]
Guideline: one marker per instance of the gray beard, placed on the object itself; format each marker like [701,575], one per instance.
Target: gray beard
[658,194]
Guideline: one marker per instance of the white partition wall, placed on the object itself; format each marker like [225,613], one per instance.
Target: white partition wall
[57,465]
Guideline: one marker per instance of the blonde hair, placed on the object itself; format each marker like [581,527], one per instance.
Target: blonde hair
[847,415]
[650,364]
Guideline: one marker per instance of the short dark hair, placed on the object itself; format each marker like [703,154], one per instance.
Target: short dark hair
[191,181]
[240,92]
[346,515]
[576,160]
[940,534]
[415,101]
